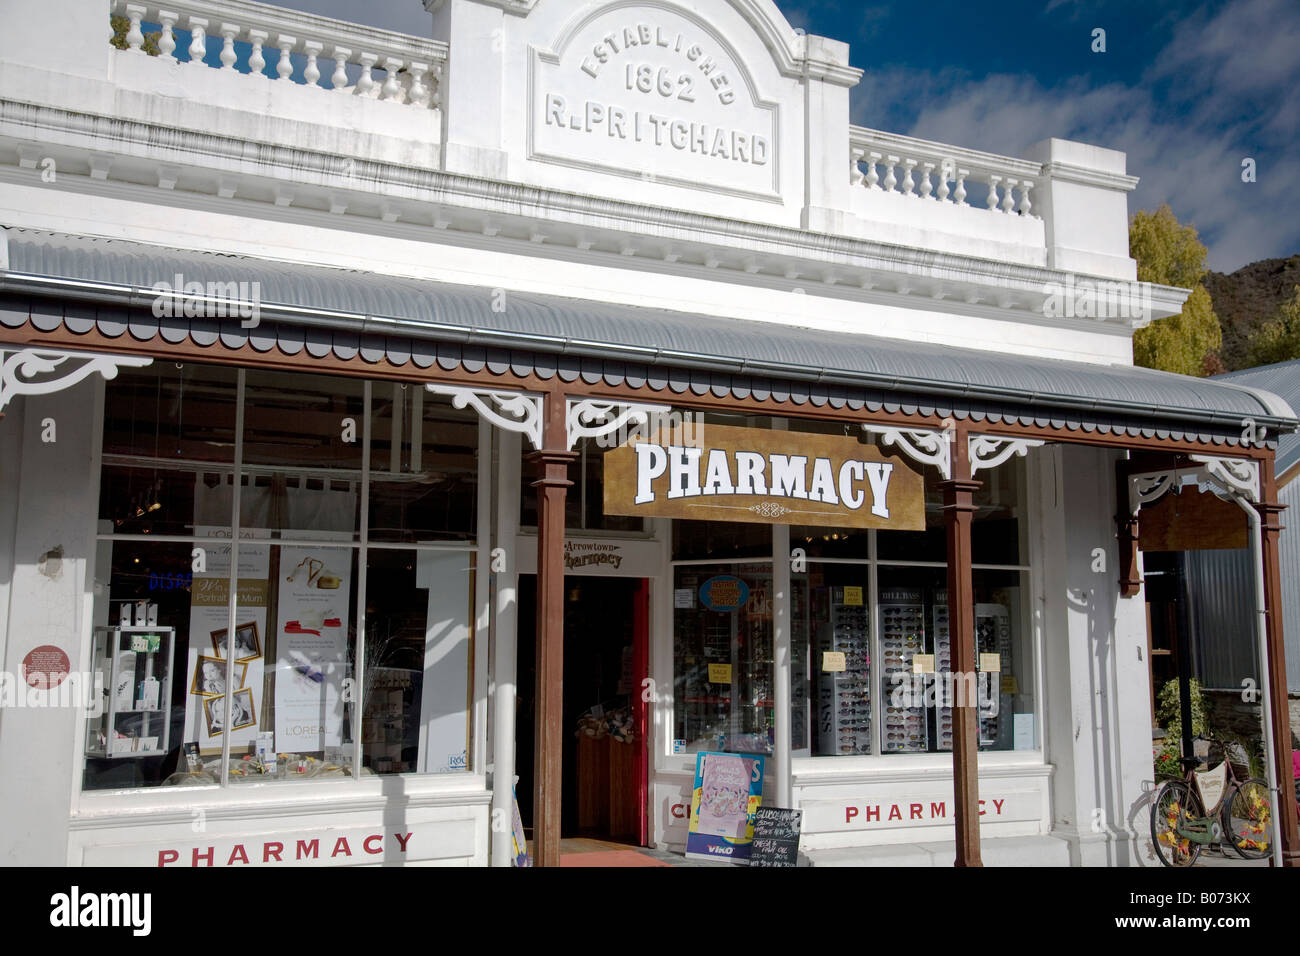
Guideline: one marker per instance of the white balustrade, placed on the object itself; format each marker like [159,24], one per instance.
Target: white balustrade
[412,67]
[936,172]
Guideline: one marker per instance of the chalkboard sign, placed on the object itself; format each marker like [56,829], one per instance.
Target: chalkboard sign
[776,837]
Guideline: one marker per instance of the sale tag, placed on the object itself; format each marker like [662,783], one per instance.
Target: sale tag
[923,664]
[991,662]
[853,597]
[834,661]
[719,673]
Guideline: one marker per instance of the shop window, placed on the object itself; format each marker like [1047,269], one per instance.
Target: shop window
[927,545]
[167,429]
[872,672]
[722,658]
[999,524]
[418,656]
[851,543]
[718,541]
[423,466]
[831,661]
[288,683]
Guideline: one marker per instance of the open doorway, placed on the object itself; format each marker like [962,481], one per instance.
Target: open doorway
[604,780]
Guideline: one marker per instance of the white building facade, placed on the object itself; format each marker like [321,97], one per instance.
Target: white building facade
[296,314]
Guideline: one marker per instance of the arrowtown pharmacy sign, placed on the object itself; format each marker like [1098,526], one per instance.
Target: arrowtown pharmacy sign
[773,477]
[653,92]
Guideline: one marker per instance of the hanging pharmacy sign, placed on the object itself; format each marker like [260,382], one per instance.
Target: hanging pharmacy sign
[721,473]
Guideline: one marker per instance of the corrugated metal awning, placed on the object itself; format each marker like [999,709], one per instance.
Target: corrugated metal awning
[105,284]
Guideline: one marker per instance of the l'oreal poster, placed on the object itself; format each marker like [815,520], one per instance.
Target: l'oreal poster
[728,789]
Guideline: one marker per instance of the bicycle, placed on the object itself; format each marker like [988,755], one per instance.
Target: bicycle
[1240,815]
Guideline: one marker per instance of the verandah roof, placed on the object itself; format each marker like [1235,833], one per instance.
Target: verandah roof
[106,285]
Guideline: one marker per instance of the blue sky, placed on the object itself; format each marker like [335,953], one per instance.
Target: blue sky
[1187,89]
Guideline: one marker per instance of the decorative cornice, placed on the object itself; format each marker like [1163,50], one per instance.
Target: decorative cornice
[1069,173]
[432,193]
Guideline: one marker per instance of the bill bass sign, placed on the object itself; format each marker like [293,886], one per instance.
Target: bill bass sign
[746,474]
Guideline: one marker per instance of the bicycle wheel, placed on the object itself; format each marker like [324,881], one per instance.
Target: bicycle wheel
[1175,806]
[1247,818]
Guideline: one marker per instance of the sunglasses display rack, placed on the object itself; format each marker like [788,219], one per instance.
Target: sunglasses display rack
[993,636]
[943,723]
[902,635]
[844,697]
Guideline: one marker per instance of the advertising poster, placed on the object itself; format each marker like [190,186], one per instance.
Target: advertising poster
[205,668]
[728,790]
[313,609]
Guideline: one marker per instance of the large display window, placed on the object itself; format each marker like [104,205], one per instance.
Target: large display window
[722,658]
[347,658]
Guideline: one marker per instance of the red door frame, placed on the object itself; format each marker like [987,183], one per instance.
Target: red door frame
[640,706]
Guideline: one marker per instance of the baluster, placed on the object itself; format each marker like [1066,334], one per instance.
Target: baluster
[908,184]
[1025,204]
[855,172]
[134,37]
[927,169]
[945,174]
[339,79]
[366,85]
[992,200]
[228,33]
[438,71]
[285,66]
[418,94]
[392,88]
[167,42]
[872,178]
[959,194]
[1007,200]
[890,179]
[198,40]
[257,62]
[311,72]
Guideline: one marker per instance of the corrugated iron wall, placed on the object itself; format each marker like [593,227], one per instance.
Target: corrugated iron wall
[1220,604]
[1220,616]
[1289,548]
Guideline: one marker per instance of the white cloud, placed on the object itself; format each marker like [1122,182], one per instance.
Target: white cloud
[1186,126]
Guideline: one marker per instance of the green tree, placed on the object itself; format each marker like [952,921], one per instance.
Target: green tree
[1169,253]
[121,26]
[1278,339]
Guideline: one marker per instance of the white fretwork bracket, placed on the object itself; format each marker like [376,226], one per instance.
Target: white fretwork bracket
[989,451]
[512,411]
[923,446]
[1235,475]
[42,371]
[596,417]
[1226,477]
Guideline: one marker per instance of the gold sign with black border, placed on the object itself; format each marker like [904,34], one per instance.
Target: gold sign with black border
[722,473]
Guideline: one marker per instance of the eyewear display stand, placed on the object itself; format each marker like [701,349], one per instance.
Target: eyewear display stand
[135,666]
